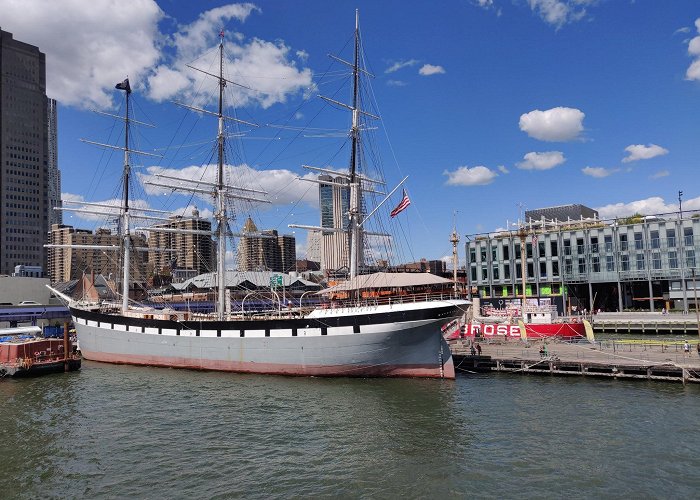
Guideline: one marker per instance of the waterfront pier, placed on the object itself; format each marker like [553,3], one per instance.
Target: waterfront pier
[624,359]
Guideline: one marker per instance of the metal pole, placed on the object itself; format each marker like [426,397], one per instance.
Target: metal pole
[695,296]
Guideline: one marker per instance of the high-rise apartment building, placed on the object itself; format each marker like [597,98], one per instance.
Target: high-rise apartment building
[24,203]
[65,264]
[54,174]
[265,250]
[176,248]
[334,201]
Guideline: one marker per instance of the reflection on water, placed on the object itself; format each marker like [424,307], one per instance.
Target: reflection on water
[116,431]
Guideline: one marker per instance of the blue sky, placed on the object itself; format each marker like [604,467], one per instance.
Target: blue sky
[486,104]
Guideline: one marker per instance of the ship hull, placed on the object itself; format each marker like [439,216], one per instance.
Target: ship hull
[567,330]
[369,342]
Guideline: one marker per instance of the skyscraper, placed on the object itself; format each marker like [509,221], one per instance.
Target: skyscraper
[334,200]
[54,174]
[24,205]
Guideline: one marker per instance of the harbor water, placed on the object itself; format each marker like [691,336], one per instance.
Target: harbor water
[114,431]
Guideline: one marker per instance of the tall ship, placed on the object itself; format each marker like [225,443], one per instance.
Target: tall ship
[395,333]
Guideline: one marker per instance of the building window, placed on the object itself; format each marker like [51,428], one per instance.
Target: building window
[673,260]
[530,270]
[670,238]
[596,264]
[483,254]
[568,266]
[506,271]
[553,248]
[543,269]
[638,241]
[484,273]
[517,251]
[494,271]
[609,263]
[655,241]
[506,252]
[688,236]
[594,244]
[623,242]
[640,262]
[579,246]
[494,253]
[555,269]
[567,247]
[625,262]
[473,273]
[690,258]
[608,243]
[656,260]
[528,247]
[540,249]
[582,265]
[472,254]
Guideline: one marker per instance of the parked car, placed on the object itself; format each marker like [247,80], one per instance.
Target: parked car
[29,303]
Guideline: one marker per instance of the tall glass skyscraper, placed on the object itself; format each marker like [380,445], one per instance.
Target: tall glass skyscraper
[334,201]
[24,201]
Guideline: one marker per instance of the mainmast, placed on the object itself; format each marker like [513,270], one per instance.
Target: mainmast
[220,214]
[355,193]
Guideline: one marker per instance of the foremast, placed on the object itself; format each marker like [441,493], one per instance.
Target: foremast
[126,233]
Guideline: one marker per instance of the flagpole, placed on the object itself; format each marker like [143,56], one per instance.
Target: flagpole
[383,201]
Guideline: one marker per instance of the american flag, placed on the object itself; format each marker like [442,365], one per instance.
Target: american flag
[405,202]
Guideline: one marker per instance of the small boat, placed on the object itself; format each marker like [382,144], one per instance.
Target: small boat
[24,353]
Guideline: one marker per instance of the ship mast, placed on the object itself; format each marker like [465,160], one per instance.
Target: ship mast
[220,214]
[126,236]
[355,230]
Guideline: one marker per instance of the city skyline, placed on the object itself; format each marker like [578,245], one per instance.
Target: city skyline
[487,104]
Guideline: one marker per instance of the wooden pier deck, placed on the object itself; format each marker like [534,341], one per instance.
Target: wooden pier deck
[628,359]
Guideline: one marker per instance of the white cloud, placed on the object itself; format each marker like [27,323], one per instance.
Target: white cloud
[542,161]
[261,65]
[89,46]
[560,12]
[429,69]
[693,71]
[558,124]
[648,206]
[475,176]
[642,152]
[660,174]
[396,83]
[401,64]
[484,3]
[503,169]
[598,172]
[282,186]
